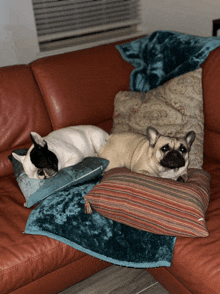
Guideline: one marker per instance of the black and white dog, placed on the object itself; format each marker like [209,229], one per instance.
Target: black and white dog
[61,148]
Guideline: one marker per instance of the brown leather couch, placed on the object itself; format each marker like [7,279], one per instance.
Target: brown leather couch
[79,88]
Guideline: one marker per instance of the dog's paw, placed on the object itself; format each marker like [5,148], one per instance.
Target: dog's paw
[180,179]
[87,208]
[183,178]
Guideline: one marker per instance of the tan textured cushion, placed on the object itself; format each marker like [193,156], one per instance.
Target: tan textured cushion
[174,109]
[156,205]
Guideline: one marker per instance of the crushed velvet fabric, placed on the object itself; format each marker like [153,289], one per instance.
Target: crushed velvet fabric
[61,216]
[35,190]
[164,55]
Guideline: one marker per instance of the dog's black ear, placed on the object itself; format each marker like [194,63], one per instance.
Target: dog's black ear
[38,141]
[189,138]
[152,135]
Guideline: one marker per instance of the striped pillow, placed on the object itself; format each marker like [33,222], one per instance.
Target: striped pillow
[156,205]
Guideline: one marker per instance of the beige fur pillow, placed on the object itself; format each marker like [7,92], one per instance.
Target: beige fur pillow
[174,109]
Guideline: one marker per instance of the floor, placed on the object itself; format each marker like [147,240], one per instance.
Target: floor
[118,280]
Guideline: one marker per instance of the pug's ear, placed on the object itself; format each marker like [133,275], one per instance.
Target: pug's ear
[152,135]
[38,141]
[189,138]
[19,158]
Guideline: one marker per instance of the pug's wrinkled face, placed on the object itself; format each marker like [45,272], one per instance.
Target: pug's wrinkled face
[170,152]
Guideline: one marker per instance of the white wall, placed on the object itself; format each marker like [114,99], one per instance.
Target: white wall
[18,39]
[186,16]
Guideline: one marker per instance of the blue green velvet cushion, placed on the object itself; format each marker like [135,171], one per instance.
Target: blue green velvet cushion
[164,55]
[34,190]
[61,217]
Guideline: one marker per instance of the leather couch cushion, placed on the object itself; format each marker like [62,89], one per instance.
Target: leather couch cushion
[78,89]
[211,94]
[22,111]
[27,257]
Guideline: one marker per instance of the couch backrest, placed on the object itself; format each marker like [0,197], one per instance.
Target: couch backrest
[58,91]
[211,96]
[22,110]
[79,87]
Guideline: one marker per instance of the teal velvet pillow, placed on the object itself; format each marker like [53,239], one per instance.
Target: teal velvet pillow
[35,190]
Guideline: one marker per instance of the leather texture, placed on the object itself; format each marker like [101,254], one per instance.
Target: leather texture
[34,256]
[211,93]
[22,111]
[51,93]
[79,88]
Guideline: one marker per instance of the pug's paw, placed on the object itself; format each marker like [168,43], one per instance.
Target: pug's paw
[183,178]
[180,179]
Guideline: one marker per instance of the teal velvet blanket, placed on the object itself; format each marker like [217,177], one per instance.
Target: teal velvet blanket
[164,55]
[61,216]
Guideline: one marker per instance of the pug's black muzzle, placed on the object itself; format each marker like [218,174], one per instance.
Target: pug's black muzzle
[173,159]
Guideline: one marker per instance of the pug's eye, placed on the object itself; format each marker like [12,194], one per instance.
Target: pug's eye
[183,149]
[165,148]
